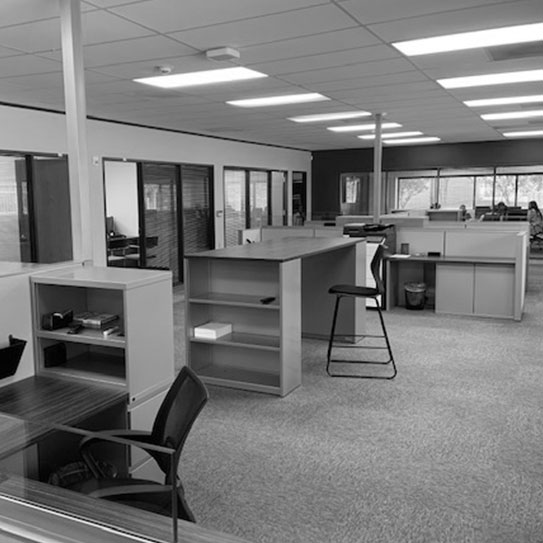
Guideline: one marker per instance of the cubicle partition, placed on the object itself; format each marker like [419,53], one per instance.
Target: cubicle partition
[474,271]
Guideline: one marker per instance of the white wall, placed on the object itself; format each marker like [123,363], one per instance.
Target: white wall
[122,196]
[37,131]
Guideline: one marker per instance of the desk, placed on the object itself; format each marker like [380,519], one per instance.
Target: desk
[263,352]
[30,506]
[489,287]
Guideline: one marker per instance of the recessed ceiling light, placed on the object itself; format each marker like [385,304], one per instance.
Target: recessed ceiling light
[512,115]
[205,77]
[505,101]
[524,134]
[472,40]
[391,135]
[491,79]
[279,100]
[329,116]
[425,139]
[357,127]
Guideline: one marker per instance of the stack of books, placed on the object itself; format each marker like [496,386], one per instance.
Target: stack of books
[212,330]
[97,321]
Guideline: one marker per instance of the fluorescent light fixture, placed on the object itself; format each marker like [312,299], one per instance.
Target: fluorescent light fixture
[357,127]
[472,40]
[279,100]
[392,135]
[505,101]
[512,115]
[524,134]
[205,77]
[491,79]
[425,139]
[329,116]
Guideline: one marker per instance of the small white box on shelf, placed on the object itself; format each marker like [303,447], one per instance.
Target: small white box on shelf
[212,330]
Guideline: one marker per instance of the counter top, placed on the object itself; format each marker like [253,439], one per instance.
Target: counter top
[451,259]
[279,250]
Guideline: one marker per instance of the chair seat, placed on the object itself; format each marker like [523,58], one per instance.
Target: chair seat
[354,290]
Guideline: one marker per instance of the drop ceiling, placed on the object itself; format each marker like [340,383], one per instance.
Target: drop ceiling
[340,48]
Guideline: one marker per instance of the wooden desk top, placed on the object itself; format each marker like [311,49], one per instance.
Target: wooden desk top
[58,401]
[279,250]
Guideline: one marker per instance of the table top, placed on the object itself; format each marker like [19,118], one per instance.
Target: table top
[450,259]
[279,250]
[56,400]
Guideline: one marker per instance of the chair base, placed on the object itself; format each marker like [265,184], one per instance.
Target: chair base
[334,345]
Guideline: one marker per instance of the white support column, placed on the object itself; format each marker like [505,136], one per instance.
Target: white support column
[377,163]
[76,127]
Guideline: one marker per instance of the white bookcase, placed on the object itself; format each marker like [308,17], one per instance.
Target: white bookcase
[141,360]
[263,351]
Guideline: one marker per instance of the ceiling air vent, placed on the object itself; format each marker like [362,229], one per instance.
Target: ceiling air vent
[515,52]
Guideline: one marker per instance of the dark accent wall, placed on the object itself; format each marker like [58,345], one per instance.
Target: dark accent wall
[328,165]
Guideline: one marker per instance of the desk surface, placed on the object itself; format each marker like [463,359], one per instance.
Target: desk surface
[58,401]
[450,259]
[279,250]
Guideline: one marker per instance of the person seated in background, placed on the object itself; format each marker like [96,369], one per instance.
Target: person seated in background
[499,213]
[464,215]
[535,218]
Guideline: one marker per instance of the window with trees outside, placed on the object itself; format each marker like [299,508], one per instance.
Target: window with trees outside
[481,187]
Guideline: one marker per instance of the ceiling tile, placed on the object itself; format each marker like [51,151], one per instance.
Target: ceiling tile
[465,20]
[146,68]
[370,11]
[373,81]
[26,64]
[366,69]
[102,26]
[270,28]
[133,50]
[326,42]
[328,60]
[14,12]
[172,15]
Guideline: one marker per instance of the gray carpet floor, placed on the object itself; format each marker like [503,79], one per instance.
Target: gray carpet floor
[450,451]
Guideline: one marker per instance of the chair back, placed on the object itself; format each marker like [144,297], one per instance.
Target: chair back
[375,266]
[175,417]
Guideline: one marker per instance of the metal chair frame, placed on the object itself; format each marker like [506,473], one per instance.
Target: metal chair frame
[342,291]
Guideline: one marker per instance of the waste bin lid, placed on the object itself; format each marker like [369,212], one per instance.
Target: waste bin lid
[415,287]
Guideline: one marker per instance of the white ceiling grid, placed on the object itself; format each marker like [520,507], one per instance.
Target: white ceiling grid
[341,48]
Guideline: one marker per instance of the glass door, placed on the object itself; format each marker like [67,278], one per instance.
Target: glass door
[235,199]
[15,225]
[159,239]
[278,198]
[299,198]
[259,199]
[197,189]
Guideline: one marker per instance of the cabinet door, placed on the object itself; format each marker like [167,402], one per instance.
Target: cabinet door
[494,290]
[454,288]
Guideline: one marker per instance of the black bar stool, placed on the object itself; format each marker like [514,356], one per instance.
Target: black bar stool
[342,291]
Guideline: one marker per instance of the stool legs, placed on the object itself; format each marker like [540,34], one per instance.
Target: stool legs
[330,360]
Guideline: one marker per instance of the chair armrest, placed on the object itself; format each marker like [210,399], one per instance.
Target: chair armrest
[86,443]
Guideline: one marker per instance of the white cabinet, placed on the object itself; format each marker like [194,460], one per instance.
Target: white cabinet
[140,359]
[263,351]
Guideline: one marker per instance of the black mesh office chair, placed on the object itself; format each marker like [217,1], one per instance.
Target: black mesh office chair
[354,291]
[175,417]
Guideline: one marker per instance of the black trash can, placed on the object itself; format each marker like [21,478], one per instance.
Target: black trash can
[415,295]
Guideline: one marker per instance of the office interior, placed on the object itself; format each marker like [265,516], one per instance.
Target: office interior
[101,172]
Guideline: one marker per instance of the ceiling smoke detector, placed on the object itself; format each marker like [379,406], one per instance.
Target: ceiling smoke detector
[223,53]
[163,70]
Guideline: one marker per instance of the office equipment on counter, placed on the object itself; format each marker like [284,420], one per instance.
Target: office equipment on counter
[355,291]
